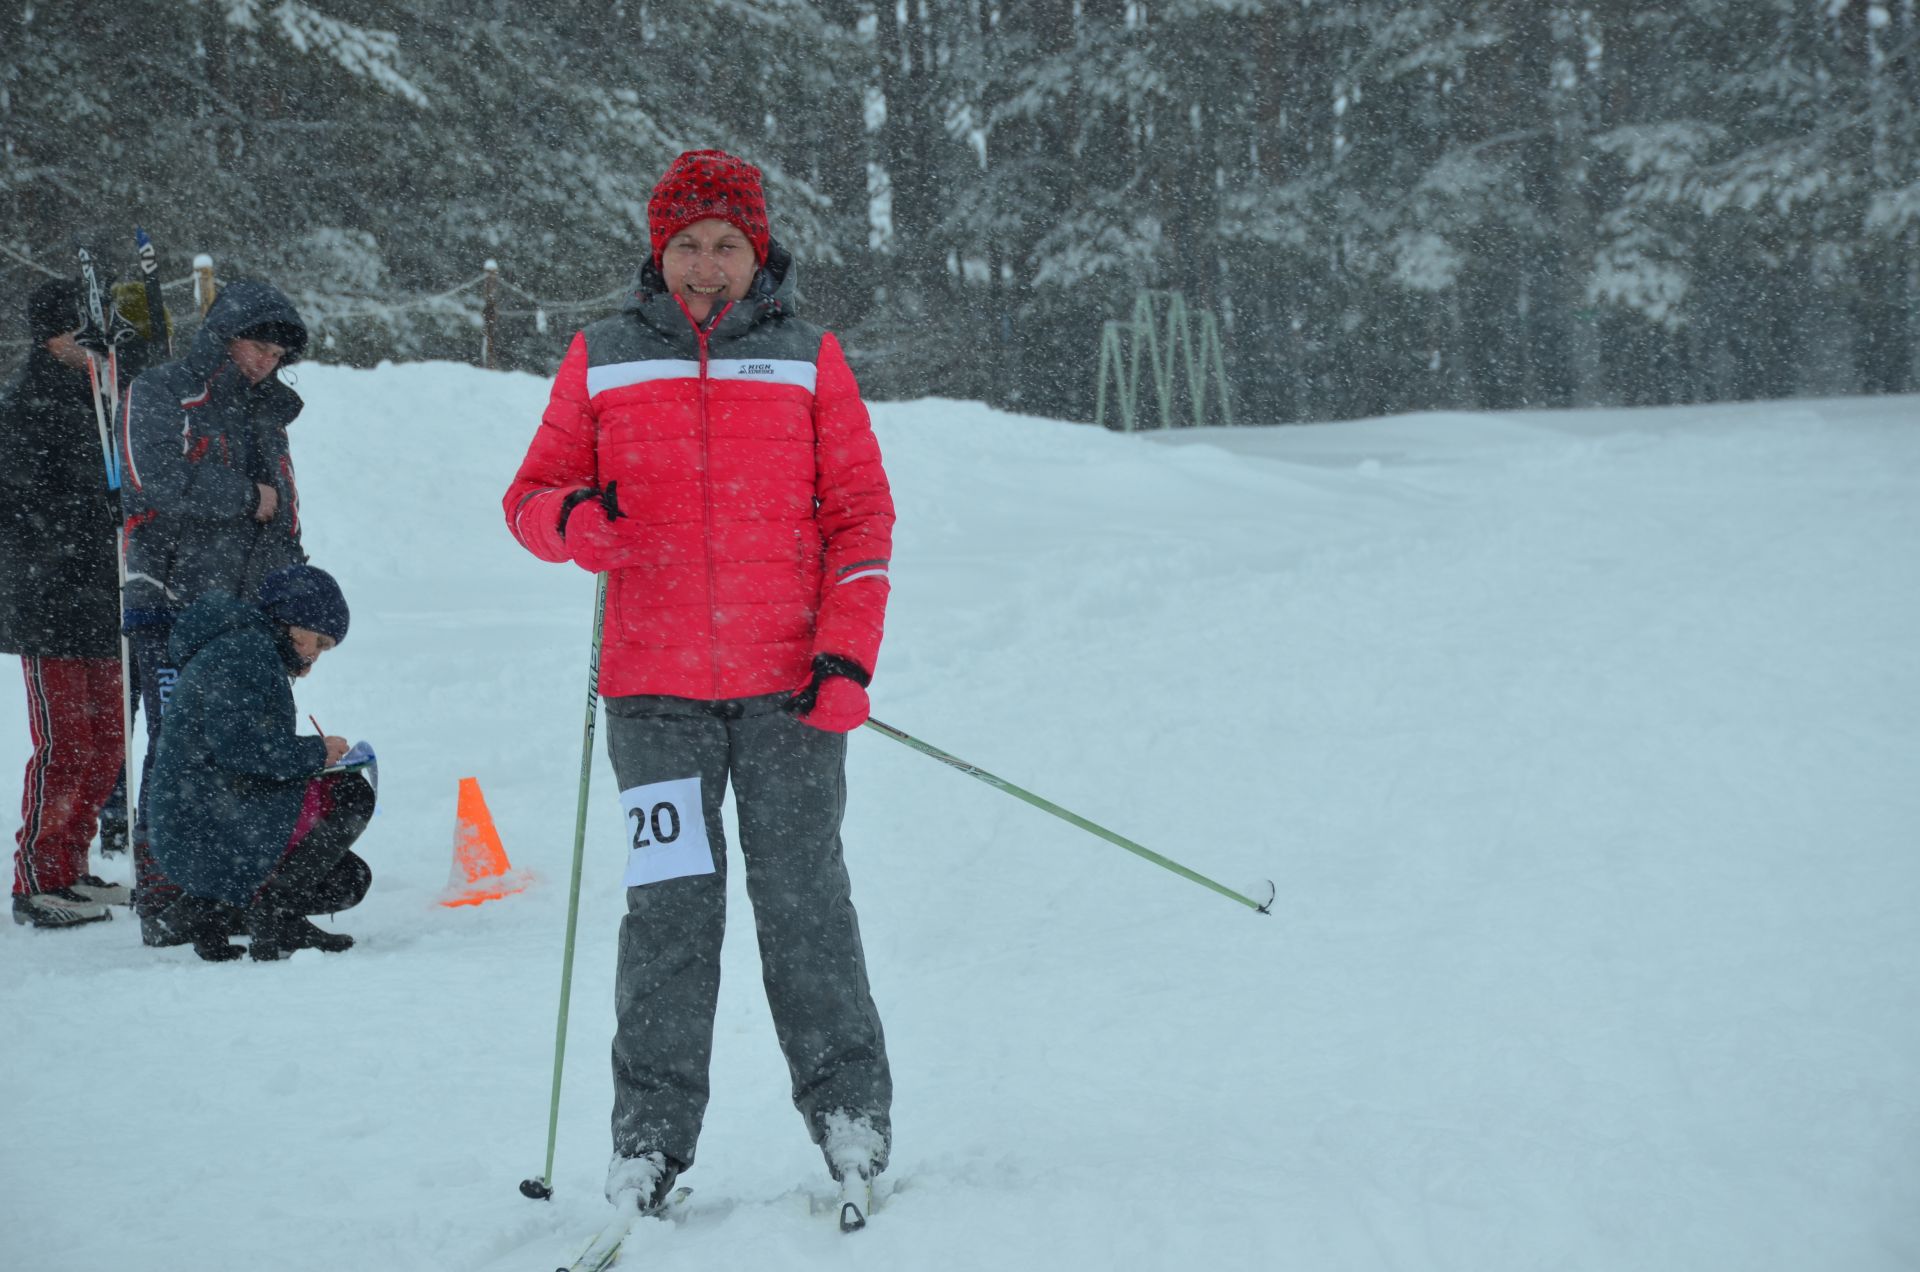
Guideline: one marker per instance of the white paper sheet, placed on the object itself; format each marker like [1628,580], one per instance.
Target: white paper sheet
[666,831]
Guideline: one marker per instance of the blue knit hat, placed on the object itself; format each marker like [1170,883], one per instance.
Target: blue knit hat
[305,596]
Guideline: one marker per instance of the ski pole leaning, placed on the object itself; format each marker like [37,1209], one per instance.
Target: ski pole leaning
[162,331]
[541,1187]
[99,333]
[1046,805]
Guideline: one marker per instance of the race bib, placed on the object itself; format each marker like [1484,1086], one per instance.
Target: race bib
[666,832]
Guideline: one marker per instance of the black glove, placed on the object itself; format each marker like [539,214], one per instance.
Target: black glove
[825,667]
[609,500]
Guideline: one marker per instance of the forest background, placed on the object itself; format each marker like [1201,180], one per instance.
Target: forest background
[1388,206]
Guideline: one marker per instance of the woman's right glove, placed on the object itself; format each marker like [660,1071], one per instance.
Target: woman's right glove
[586,523]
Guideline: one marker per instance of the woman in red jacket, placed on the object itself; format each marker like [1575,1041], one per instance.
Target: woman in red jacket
[710,452]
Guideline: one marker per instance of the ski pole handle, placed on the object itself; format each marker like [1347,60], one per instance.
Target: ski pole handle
[161,336]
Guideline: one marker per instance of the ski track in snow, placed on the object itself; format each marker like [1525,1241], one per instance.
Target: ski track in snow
[1580,746]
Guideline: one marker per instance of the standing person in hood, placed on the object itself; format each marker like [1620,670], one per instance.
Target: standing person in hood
[211,505]
[242,820]
[60,611]
[133,357]
[710,452]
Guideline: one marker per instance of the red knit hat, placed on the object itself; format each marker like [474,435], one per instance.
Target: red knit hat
[708,183]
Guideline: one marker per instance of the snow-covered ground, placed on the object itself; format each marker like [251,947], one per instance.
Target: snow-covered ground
[1581,748]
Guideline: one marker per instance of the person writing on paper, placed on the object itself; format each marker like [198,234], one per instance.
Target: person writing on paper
[710,452]
[243,819]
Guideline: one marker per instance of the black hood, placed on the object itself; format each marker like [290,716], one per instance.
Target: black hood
[242,307]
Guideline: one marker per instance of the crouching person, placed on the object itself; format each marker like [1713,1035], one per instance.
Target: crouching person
[243,819]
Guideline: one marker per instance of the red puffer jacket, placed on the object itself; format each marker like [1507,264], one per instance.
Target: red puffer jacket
[757,523]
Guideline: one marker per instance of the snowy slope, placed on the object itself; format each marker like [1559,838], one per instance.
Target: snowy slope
[1581,748]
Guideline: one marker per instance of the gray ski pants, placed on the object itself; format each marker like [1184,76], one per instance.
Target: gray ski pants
[790,787]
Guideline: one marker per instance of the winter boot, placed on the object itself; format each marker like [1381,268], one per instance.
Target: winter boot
[58,908]
[162,928]
[852,1145]
[113,837]
[302,933]
[641,1184]
[205,924]
[856,1151]
[157,932]
[271,933]
[153,896]
[277,930]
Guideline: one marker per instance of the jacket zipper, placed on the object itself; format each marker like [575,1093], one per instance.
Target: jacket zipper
[706,496]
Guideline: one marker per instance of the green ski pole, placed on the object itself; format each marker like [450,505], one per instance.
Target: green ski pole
[1047,805]
[541,1188]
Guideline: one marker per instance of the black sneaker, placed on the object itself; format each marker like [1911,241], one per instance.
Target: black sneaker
[58,908]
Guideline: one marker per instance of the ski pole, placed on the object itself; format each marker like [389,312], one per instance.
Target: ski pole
[120,574]
[161,334]
[541,1187]
[1047,805]
[96,330]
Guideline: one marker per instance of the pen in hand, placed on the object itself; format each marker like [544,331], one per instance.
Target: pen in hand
[336,747]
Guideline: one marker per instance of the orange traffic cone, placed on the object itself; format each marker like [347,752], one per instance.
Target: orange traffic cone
[481,871]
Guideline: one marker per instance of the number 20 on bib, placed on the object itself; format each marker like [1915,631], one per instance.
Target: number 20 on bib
[666,832]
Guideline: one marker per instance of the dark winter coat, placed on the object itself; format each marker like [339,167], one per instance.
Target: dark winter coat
[59,590]
[230,773]
[198,438]
[758,523]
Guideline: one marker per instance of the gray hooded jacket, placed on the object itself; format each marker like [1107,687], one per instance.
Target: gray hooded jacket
[198,439]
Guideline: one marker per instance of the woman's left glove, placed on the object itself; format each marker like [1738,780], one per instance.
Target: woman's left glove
[836,698]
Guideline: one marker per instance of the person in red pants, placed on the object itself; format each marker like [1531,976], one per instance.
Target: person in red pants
[60,612]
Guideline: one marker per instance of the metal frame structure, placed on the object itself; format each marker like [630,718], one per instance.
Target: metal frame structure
[1125,346]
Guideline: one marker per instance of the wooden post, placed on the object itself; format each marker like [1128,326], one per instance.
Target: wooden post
[204,288]
[490,317]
